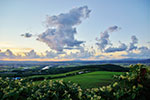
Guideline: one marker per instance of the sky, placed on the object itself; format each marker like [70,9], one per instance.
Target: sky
[54,30]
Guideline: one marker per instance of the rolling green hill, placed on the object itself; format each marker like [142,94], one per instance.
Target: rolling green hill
[91,79]
[87,76]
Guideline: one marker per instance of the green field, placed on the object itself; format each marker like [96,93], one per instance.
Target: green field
[91,79]
[55,75]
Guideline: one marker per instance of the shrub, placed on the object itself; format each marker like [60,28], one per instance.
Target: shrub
[133,85]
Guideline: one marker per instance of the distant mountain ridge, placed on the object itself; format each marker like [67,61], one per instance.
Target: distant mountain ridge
[128,60]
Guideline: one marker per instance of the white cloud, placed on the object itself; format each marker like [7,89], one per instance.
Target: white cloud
[144,52]
[132,45]
[51,54]
[104,41]
[31,54]
[61,30]
[122,47]
[7,54]
[81,54]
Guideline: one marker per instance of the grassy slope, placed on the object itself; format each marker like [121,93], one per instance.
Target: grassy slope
[54,74]
[92,79]
[104,67]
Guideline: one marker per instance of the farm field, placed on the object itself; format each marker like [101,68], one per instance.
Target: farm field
[53,75]
[91,79]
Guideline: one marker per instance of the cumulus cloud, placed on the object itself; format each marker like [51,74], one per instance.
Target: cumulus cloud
[51,54]
[103,41]
[2,55]
[106,46]
[61,30]
[27,35]
[31,54]
[7,54]
[143,48]
[104,38]
[27,55]
[81,54]
[133,43]
[144,52]
[122,47]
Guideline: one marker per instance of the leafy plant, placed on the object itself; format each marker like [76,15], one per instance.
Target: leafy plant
[133,85]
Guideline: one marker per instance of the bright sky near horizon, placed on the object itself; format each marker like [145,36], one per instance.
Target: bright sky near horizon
[74,29]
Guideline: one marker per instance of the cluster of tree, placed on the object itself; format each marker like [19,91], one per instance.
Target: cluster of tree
[104,67]
[55,77]
[55,70]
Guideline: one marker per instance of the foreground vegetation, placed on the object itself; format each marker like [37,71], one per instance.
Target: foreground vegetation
[133,85]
